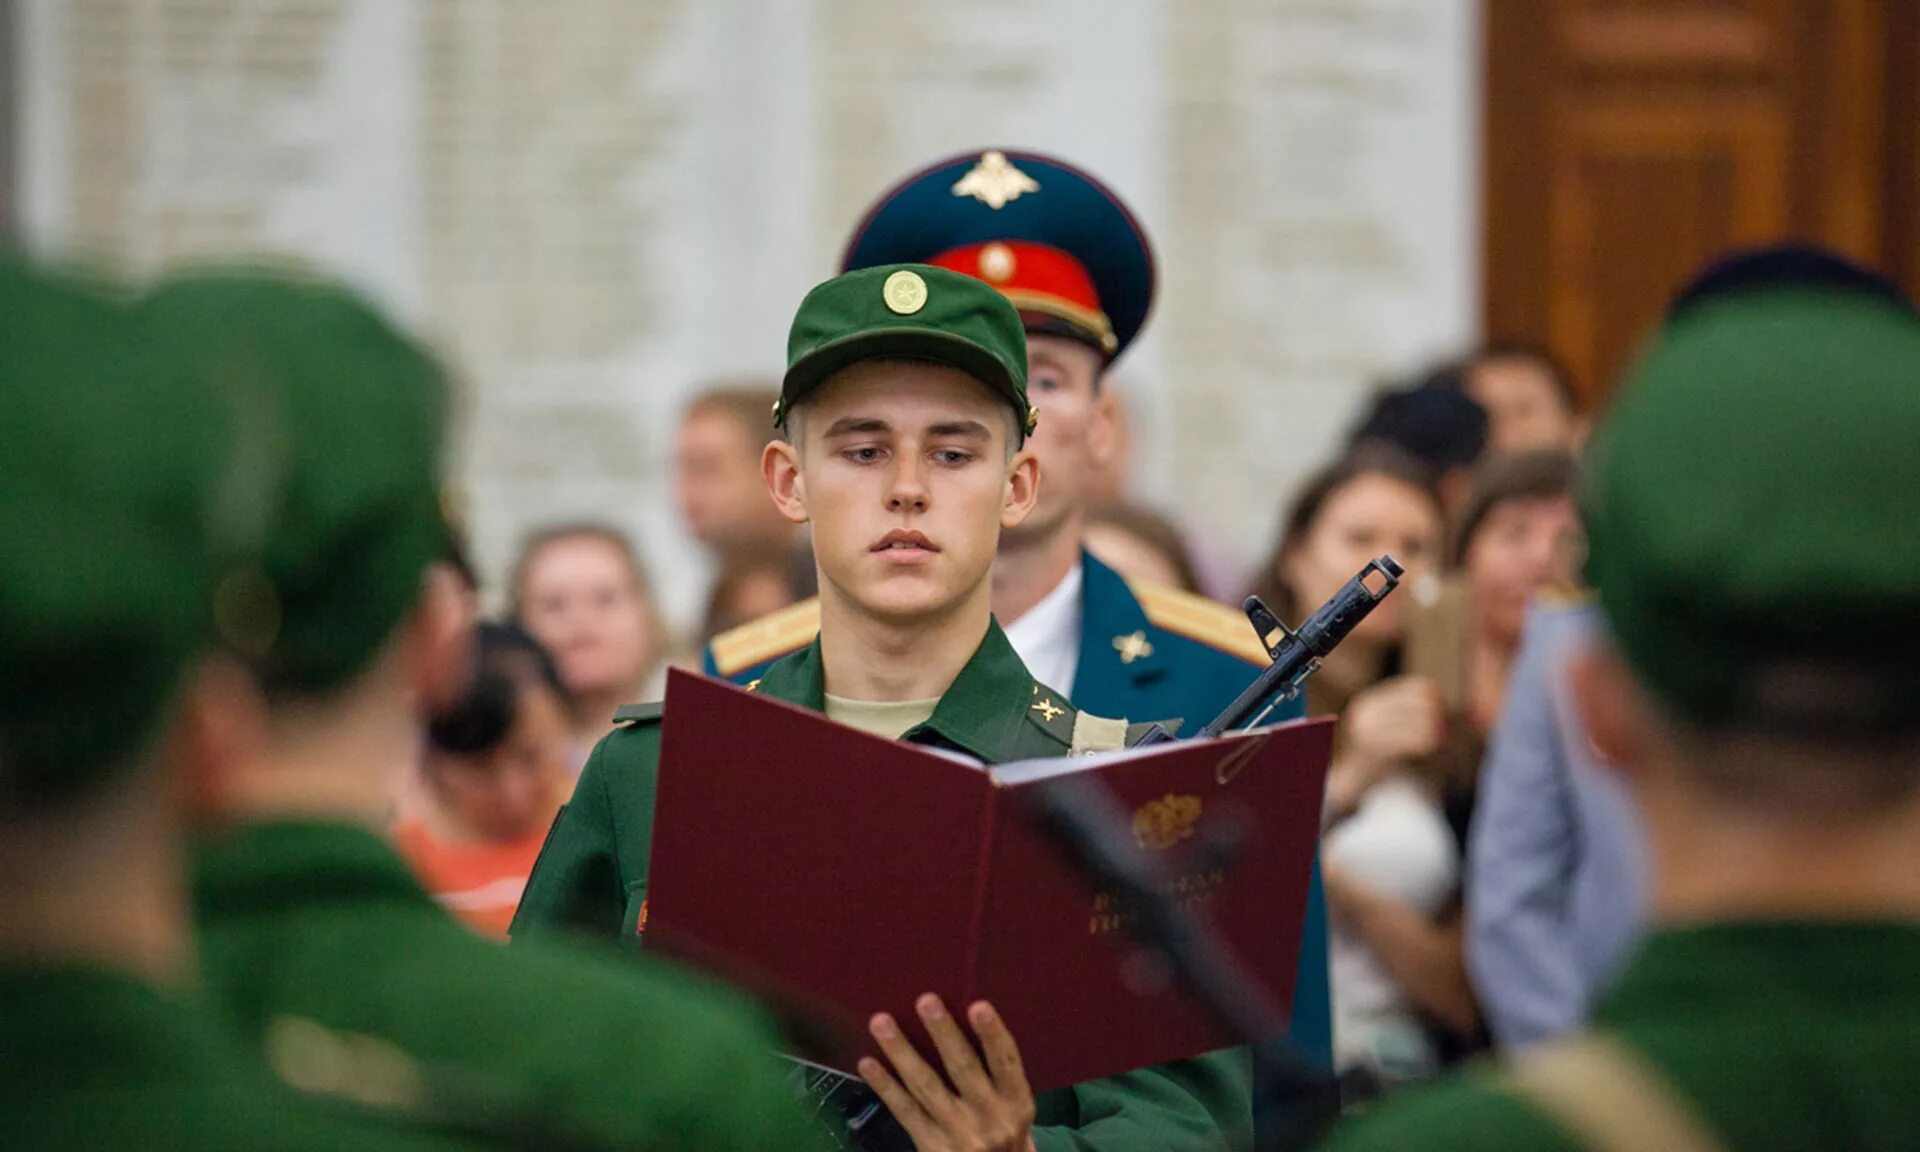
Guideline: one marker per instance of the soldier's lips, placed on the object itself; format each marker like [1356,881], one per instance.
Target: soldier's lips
[903,546]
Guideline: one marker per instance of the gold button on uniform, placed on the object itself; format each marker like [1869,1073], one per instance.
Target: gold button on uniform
[904,292]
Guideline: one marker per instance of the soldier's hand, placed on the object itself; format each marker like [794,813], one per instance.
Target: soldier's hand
[989,1107]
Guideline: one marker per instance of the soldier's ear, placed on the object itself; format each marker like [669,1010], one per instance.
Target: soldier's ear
[440,640]
[1023,489]
[1613,709]
[1104,429]
[222,728]
[780,468]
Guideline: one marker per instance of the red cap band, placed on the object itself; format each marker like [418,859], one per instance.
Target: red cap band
[1036,278]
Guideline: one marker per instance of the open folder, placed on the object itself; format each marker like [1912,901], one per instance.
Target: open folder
[842,874]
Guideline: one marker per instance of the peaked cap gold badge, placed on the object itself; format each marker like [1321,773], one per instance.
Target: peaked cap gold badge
[1160,824]
[995,182]
[904,292]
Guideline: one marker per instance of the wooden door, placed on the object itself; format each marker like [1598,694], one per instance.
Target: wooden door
[1629,140]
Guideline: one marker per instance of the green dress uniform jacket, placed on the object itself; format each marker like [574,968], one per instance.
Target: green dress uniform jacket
[1777,1036]
[96,1059]
[313,929]
[592,875]
[1146,653]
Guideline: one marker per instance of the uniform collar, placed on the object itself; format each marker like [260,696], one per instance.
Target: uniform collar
[1048,637]
[982,714]
[277,866]
[1116,638]
[1739,968]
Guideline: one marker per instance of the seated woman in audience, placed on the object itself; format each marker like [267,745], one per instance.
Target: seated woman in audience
[1386,833]
[1518,535]
[579,589]
[495,772]
[1141,545]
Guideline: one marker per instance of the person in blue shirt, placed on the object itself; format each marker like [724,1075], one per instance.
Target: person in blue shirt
[1078,267]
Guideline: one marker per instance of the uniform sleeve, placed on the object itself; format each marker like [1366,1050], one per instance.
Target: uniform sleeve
[1520,868]
[1199,1105]
[577,885]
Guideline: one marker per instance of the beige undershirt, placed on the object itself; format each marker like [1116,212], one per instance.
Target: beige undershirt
[888,718]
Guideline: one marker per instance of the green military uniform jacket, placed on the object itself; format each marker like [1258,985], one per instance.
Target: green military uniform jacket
[592,875]
[1778,1036]
[96,1059]
[323,926]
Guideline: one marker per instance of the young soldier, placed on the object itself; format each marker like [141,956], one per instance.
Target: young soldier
[118,507]
[905,410]
[1077,266]
[1750,514]
[315,936]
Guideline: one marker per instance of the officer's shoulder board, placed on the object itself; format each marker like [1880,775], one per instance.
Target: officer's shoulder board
[640,713]
[1201,620]
[772,636]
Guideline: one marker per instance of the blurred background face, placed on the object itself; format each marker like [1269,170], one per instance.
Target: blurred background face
[582,602]
[511,790]
[1520,546]
[1075,436]
[891,447]
[717,481]
[1361,519]
[1525,408]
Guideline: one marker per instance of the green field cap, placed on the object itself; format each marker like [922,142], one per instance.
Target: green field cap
[1751,508]
[908,312]
[361,414]
[115,490]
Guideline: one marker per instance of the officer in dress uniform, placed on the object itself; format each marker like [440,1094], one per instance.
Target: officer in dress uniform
[905,410]
[121,506]
[340,968]
[1072,259]
[1750,516]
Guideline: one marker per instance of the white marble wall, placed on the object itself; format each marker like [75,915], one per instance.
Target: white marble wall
[593,205]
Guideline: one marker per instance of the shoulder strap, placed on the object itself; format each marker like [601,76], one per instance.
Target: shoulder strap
[640,713]
[1096,734]
[1610,1098]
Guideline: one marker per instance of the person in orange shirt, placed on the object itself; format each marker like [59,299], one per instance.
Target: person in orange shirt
[495,769]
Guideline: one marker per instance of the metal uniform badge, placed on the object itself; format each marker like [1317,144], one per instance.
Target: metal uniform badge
[1133,647]
[904,292]
[995,182]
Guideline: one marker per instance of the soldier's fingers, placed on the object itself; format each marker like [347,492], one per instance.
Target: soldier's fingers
[919,1126]
[1003,1055]
[913,1072]
[956,1051]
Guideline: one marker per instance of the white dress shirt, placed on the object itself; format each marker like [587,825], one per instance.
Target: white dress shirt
[1047,637]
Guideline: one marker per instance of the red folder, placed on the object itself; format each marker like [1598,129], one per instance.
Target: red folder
[844,874]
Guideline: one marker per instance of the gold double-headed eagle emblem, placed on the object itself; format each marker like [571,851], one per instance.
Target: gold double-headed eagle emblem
[1160,824]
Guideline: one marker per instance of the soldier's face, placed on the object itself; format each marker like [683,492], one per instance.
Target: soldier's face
[1078,433]
[907,474]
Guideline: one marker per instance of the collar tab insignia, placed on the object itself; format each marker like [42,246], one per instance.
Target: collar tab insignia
[1134,647]
[1049,711]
